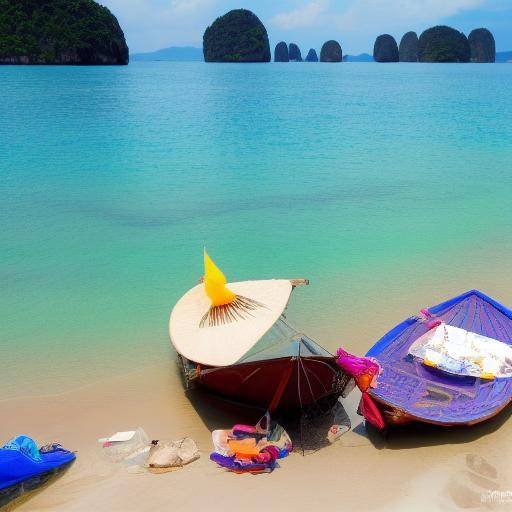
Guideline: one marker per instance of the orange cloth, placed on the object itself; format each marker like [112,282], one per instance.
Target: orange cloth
[245,448]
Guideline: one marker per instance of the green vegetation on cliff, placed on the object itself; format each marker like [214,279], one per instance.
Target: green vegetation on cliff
[59,32]
[443,44]
[238,36]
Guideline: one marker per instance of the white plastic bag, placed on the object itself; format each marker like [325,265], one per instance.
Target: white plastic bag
[125,445]
[166,456]
[220,442]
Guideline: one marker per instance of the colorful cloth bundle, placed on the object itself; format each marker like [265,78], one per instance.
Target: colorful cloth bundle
[364,371]
[248,449]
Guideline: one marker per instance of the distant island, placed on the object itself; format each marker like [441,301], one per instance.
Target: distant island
[240,36]
[294,53]
[504,57]
[437,44]
[331,52]
[281,53]
[407,53]
[312,56]
[83,32]
[408,48]
[482,46]
[385,49]
[60,32]
[173,53]
[362,57]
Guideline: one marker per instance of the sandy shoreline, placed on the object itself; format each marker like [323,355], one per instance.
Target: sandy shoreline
[430,467]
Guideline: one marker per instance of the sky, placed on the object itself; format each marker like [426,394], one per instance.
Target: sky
[153,24]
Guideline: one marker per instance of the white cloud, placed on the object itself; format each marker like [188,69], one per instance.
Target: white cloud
[154,24]
[305,16]
[390,14]
[189,6]
[361,15]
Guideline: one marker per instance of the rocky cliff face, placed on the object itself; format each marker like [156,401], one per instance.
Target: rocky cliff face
[443,44]
[294,52]
[60,32]
[238,36]
[408,49]
[331,52]
[312,56]
[482,46]
[385,49]
[281,52]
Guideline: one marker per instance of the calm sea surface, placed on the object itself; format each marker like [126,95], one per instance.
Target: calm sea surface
[389,186]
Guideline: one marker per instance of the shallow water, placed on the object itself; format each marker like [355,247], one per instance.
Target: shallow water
[387,185]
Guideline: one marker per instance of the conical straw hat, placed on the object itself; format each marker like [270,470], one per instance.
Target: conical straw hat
[216,323]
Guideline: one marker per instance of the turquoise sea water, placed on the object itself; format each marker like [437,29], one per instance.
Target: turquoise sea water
[389,186]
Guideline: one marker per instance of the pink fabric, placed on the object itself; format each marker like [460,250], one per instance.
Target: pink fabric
[362,369]
[246,429]
[268,454]
[430,319]
[433,323]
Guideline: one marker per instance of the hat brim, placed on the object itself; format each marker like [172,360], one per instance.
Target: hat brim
[226,342]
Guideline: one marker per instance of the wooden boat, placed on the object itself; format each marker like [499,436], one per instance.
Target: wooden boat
[233,340]
[408,390]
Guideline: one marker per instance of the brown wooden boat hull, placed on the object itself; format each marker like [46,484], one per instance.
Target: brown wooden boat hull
[394,415]
[286,383]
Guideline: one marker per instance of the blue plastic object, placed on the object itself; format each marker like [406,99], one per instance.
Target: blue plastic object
[21,461]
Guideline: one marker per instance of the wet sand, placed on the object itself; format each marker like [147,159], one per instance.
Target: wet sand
[414,468]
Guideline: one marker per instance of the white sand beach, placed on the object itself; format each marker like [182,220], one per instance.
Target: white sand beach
[418,468]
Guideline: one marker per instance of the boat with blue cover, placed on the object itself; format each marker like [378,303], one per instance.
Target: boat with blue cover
[409,389]
[24,467]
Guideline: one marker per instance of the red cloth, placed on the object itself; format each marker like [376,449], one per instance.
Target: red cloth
[371,412]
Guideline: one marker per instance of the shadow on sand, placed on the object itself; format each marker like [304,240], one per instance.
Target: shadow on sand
[308,428]
[309,431]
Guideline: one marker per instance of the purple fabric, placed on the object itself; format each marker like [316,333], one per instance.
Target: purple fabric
[431,394]
[237,465]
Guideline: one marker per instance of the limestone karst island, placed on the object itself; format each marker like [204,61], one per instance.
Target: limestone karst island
[60,32]
[240,36]
[87,33]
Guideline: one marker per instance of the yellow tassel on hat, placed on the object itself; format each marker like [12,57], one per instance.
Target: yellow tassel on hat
[215,283]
